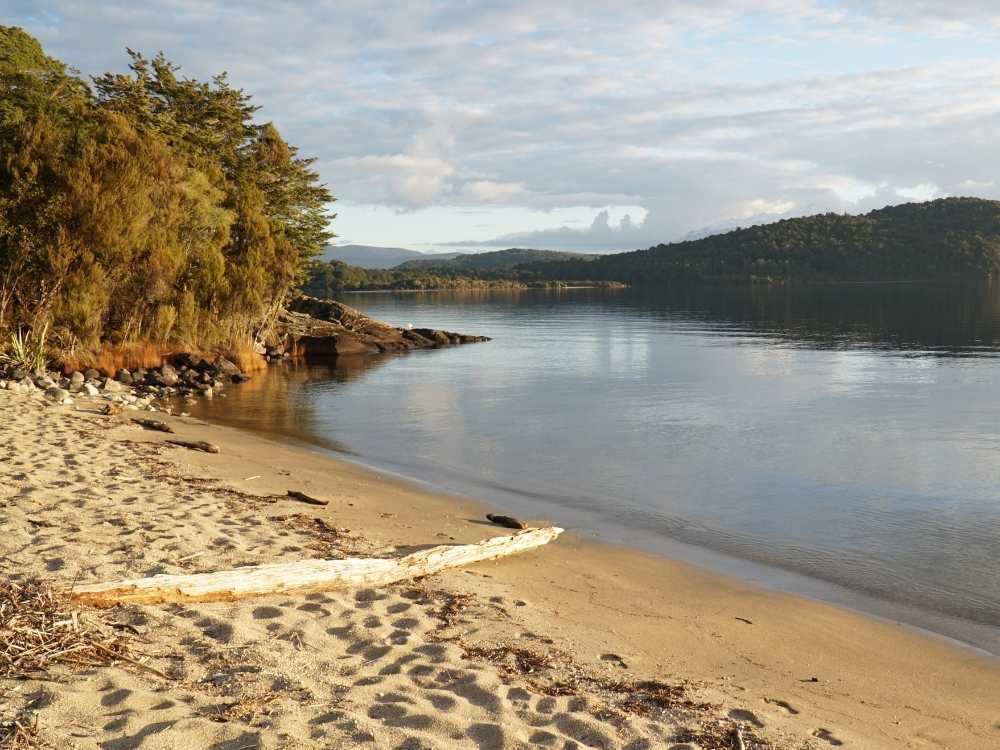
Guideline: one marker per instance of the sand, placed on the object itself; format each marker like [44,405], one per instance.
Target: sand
[573,645]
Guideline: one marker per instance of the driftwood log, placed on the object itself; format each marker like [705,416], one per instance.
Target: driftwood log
[304,577]
[196,445]
[303,497]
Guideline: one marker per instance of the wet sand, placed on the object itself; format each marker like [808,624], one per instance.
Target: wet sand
[573,645]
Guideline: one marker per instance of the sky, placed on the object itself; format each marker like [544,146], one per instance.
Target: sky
[591,125]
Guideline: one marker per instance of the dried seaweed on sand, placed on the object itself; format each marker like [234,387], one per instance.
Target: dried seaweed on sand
[20,732]
[40,628]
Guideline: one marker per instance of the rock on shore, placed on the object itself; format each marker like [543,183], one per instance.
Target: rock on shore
[309,327]
[318,328]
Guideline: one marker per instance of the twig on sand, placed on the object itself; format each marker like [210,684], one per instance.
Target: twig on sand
[153,424]
[508,521]
[303,497]
[196,445]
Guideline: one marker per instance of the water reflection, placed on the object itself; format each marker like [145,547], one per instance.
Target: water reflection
[848,434]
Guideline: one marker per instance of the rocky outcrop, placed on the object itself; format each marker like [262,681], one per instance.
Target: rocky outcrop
[310,327]
[322,329]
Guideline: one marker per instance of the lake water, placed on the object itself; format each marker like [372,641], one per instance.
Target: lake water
[838,442]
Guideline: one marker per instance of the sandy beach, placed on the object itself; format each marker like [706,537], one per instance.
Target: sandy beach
[572,645]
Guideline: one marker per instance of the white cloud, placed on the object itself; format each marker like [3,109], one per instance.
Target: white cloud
[697,113]
[490,191]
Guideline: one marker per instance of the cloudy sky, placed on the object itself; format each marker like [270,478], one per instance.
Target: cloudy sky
[588,125]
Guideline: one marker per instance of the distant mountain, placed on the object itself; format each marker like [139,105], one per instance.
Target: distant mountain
[948,238]
[498,260]
[368,256]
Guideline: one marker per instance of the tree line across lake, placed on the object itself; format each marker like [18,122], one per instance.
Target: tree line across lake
[948,238]
[144,207]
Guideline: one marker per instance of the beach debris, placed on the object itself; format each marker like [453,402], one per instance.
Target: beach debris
[510,659]
[153,424]
[196,445]
[508,521]
[112,410]
[303,497]
[39,628]
[451,608]
[19,733]
[306,576]
[328,541]
[720,734]
[743,619]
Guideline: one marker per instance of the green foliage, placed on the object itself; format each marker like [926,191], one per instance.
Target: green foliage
[943,239]
[326,279]
[26,350]
[148,207]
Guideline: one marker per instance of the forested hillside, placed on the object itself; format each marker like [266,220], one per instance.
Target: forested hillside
[143,207]
[941,239]
[497,260]
[325,280]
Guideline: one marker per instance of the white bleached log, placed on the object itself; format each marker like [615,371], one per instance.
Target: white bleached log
[305,577]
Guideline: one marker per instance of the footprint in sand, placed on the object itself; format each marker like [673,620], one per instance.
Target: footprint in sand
[614,659]
[782,704]
[741,714]
[827,736]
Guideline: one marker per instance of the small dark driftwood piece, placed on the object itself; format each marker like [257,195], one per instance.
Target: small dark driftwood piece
[510,523]
[196,445]
[296,495]
[153,424]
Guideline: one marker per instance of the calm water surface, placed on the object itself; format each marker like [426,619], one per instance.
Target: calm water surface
[839,442]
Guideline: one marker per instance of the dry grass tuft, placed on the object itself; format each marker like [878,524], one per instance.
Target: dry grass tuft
[109,359]
[245,356]
[40,628]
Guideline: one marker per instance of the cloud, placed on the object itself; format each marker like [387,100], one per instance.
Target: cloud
[701,114]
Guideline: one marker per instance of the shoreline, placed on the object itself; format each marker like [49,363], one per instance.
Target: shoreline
[754,573]
[695,560]
[751,652]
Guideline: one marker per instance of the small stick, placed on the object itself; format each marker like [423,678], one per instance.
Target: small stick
[255,476]
[296,495]
[738,736]
[153,424]
[196,445]
[508,521]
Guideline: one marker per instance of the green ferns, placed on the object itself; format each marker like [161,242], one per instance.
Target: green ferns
[144,207]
